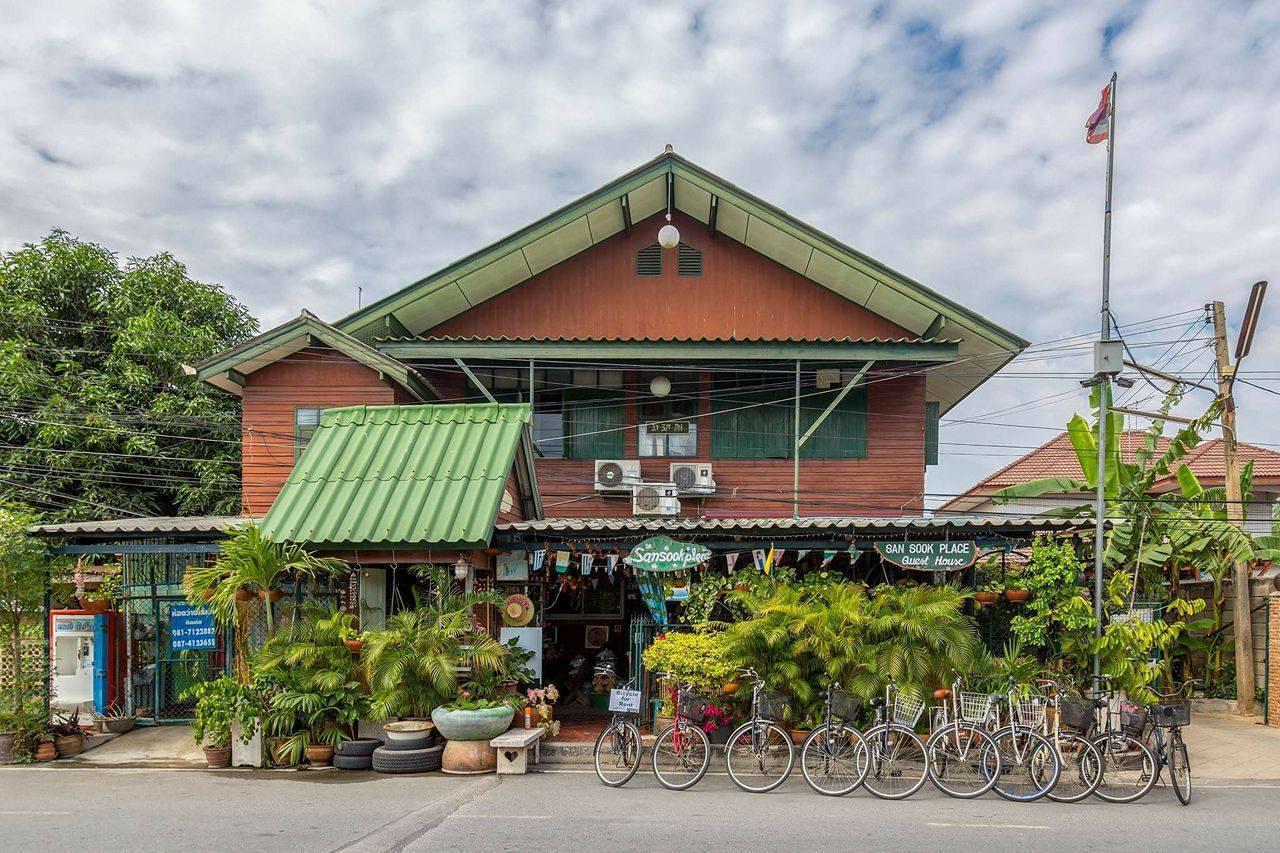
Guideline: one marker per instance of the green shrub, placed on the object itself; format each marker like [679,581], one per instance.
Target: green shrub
[699,656]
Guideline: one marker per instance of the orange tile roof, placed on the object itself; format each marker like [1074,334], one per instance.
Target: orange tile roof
[1056,458]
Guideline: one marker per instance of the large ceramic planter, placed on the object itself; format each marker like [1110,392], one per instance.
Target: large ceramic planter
[484,724]
[467,734]
[98,605]
[217,757]
[46,751]
[69,745]
[6,746]
[986,599]
[1017,596]
[319,754]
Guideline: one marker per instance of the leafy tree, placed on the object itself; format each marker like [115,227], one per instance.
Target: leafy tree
[97,417]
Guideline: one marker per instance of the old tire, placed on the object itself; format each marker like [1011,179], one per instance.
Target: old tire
[408,745]
[360,746]
[353,762]
[407,760]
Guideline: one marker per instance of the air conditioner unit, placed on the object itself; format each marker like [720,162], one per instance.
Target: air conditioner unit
[617,475]
[693,477]
[655,499]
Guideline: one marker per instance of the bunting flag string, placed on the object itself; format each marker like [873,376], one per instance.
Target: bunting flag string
[562,562]
[586,560]
[539,560]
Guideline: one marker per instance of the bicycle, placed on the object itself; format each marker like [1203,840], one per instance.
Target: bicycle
[897,762]
[1023,763]
[834,758]
[682,751]
[963,760]
[1173,714]
[759,754]
[1081,761]
[619,747]
[1128,765]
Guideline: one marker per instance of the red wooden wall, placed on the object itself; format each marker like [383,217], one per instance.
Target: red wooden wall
[740,295]
[319,379]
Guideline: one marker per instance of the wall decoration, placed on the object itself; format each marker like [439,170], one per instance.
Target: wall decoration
[596,636]
[512,567]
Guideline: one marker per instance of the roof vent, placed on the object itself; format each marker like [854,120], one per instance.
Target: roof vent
[689,260]
[649,260]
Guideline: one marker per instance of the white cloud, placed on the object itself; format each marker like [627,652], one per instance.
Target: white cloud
[293,151]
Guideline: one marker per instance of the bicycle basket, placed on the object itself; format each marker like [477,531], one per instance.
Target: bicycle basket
[773,705]
[1133,718]
[845,705]
[1172,714]
[1029,713]
[692,707]
[907,710]
[973,707]
[1075,714]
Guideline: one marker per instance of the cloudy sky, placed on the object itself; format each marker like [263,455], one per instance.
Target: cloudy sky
[294,151]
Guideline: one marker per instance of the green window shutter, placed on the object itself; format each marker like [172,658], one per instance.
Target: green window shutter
[593,426]
[758,432]
[843,435]
[931,433]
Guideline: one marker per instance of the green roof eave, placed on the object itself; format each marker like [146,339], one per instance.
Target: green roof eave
[924,351]
[224,370]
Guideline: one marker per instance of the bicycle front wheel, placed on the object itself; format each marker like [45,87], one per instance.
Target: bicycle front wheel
[834,759]
[1081,768]
[897,763]
[617,754]
[1180,768]
[680,756]
[963,761]
[759,756]
[1129,768]
[1028,765]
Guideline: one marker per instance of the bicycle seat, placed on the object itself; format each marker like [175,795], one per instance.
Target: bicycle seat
[877,702]
[994,697]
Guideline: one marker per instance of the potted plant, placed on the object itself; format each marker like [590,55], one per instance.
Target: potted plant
[45,749]
[68,737]
[101,599]
[541,702]
[1015,592]
[218,704]
[988,595]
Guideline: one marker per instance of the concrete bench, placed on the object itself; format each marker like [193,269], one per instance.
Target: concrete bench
[513,749]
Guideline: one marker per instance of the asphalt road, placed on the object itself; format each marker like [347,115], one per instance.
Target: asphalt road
[52,808]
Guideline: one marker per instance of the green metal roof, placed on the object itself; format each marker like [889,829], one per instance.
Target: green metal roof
[725,209]
[401,475]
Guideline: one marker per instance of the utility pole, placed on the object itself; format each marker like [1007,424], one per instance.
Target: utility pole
[1241,617]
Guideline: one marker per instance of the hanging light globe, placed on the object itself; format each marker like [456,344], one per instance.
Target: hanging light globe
[660,386]
[668,235]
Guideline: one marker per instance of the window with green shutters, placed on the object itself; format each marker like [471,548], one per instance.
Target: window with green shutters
[593,426]
[931,433]
[752,423]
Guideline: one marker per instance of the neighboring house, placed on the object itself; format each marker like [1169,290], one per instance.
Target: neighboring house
[1056,458]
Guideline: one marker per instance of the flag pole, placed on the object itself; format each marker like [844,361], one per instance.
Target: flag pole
[1104,391]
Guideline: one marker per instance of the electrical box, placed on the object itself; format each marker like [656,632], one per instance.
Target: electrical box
[1108,357]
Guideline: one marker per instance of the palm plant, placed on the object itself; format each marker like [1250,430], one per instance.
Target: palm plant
[412,665]
[250,561]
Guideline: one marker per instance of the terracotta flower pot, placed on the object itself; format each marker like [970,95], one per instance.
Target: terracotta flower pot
[942,693]
[69,745]
[354,646]
[730,687]
[319,754]
[799,735]
[207,594]
[46,751]
[270,594]
[244,594]
[1017,596]
[215,757]
[985,598]
[95,605]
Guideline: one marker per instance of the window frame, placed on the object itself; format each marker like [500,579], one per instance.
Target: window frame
[301,440]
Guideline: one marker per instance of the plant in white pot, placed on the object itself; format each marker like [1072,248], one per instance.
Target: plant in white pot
[219,704]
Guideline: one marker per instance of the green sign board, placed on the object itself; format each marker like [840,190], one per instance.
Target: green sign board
[929,556]
[664,554]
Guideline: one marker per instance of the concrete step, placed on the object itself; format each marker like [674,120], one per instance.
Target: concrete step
[577,752]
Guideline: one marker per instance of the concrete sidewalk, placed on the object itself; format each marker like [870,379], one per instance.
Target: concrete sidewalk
[1227,747]
[146,746]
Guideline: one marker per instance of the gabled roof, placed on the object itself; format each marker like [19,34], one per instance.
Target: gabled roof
[379,476]
[1057,458]
[227,369]
[726,209]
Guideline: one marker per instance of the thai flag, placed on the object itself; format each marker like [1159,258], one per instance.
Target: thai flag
[1096,126]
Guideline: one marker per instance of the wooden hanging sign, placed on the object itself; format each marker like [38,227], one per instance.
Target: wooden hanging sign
[664,554]
[933,556]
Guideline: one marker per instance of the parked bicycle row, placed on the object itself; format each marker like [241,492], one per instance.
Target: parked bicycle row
[1030,742]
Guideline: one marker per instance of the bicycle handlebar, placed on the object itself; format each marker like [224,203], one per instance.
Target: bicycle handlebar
[1182,692]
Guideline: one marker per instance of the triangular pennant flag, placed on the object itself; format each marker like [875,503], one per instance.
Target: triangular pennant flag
[610,563]
[827,557]
[729,559]
[586,560]
[800,554]
[539,560]
[562,561]
[757,559]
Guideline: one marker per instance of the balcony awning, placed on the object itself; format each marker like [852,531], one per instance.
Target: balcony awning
[391,476]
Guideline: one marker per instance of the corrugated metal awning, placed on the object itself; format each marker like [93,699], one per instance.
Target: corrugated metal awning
[161,525]
[845,525]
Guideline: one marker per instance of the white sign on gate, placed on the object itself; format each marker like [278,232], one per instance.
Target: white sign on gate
[623,701]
